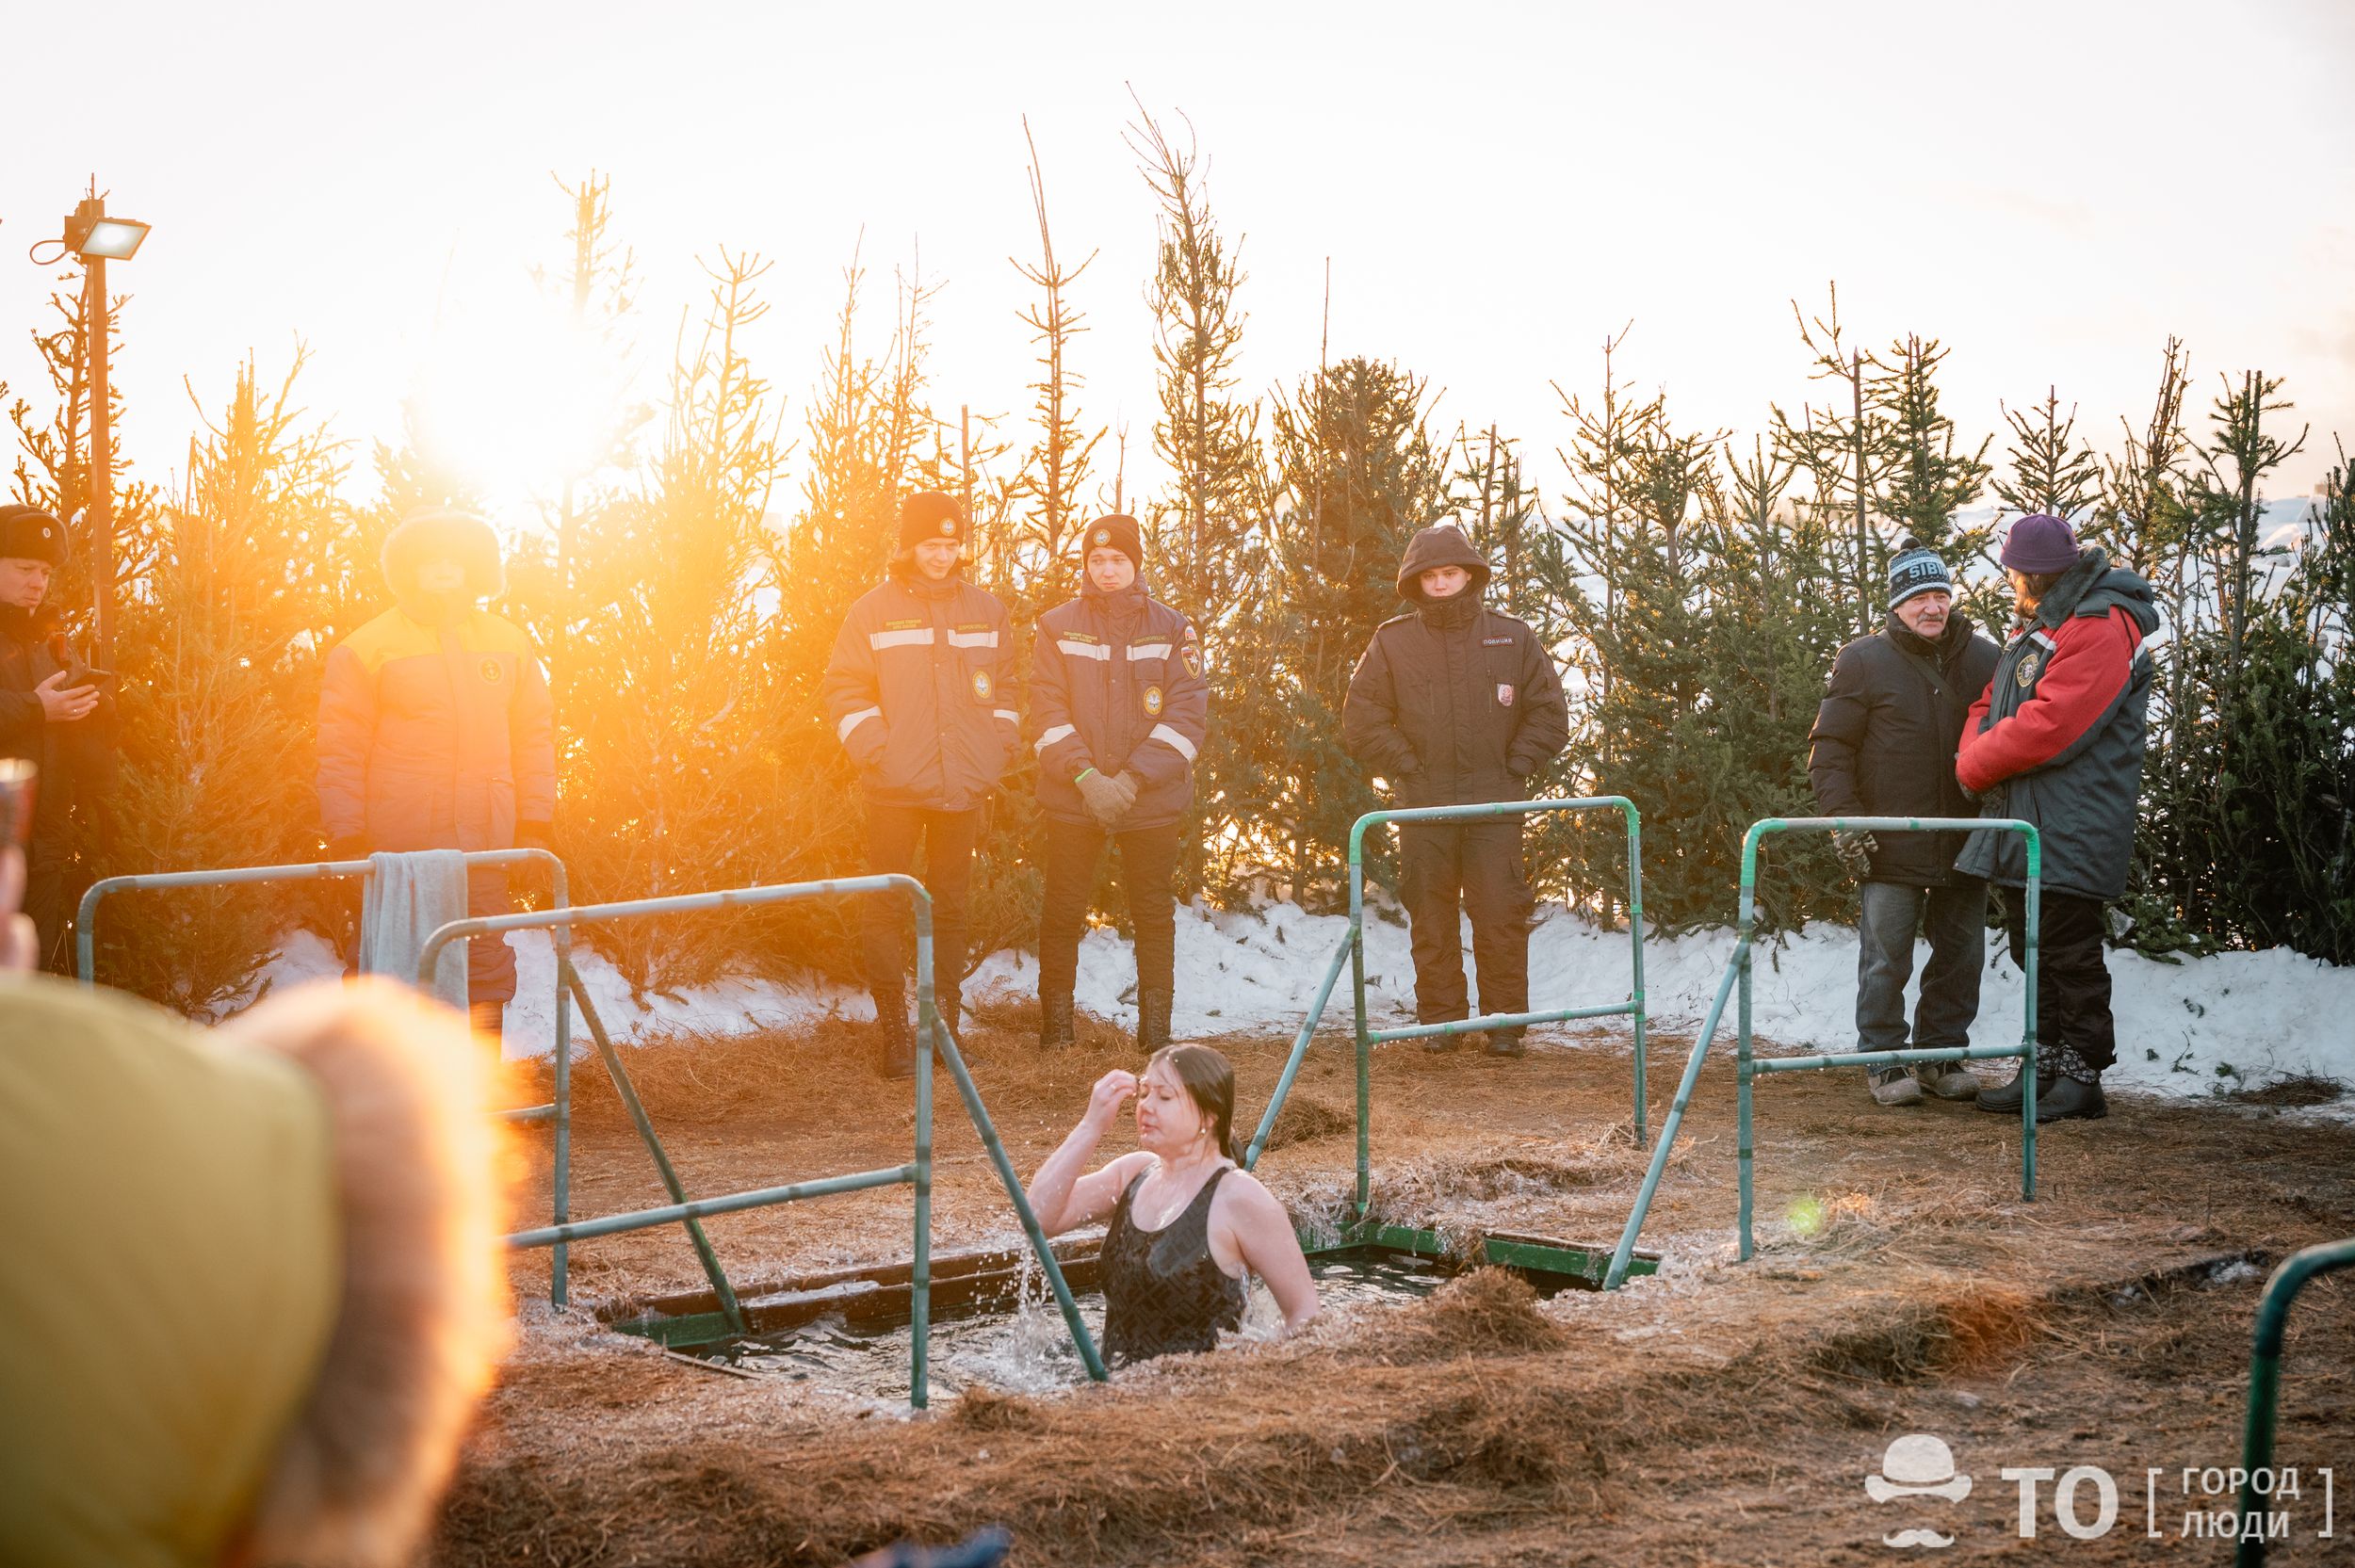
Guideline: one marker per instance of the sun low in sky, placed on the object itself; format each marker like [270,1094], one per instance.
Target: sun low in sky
[2050,189]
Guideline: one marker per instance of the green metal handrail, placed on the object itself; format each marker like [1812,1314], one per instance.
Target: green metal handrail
[556,1111]
[1738,971]
[1352,950]
[687,1212]
[2297,1272]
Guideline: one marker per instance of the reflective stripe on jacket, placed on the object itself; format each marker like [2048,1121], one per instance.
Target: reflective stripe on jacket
[923,691]
[1118,686]
[435,737]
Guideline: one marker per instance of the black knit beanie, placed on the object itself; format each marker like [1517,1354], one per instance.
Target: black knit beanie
[28,533]
[930,514]
[1116,532]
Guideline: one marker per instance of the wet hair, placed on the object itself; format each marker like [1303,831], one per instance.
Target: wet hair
[1210,1080]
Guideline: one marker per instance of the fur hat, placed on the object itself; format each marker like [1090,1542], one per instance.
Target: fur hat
[28,533]
[443,534]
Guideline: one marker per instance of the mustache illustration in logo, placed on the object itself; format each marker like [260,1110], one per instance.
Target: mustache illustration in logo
[1917,1538]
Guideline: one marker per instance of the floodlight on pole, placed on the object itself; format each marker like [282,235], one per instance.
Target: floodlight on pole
[96,239]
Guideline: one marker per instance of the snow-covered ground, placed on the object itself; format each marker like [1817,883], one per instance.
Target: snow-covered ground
[2188,1029]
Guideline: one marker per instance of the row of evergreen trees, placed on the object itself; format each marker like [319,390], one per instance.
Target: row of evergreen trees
[687,588]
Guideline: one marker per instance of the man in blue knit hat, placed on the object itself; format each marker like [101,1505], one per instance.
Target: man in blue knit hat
[1884,746]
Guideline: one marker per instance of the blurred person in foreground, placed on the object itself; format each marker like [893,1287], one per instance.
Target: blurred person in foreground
[1120,710]
[923,691]
[436,730]
[54,714]
[1188,1224]
[1883,744]
[254,1284]
[2057,740]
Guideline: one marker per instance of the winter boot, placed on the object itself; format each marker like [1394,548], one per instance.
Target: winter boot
[2075,1093]
[1055,1031]
[1948,1080]
[1507,1042]
[1153,1020]
[487,1019]
[949,1003]
[1893,1086]
[1441,1044]
[895,1041]
[2006,1096]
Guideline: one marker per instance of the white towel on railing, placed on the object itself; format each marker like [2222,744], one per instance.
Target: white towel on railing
[409,895]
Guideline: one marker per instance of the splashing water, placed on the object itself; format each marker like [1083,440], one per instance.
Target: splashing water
[1029,1351]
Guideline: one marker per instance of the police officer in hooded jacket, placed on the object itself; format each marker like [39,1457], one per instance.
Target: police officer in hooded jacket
[1455,702]
[1119,711]
[922,692]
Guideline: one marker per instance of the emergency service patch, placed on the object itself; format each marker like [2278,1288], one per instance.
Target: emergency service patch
[1153,702]
[2026,674]
[490,670]
[1504,694]
[1496,643]
[947,528]
[903,626]
[980,686]
[1189,653]
[1103,535]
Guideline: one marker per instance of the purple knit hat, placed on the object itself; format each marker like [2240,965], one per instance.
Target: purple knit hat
[2039,543]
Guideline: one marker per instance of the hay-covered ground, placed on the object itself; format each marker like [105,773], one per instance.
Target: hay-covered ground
[1720,1413]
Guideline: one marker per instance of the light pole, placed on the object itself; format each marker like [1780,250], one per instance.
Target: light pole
[97,239]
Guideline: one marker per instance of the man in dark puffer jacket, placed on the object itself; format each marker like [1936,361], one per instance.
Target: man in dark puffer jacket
[2057,740]
[922,693]
[1884,746]
[1453,704]
[1120,711]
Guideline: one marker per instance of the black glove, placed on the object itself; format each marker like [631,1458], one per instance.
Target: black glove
[1856,849]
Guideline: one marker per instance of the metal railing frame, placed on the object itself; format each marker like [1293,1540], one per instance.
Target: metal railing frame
[2295,1273]
[1352,950]
[1747,1067]
[556,1111]
[689,1212]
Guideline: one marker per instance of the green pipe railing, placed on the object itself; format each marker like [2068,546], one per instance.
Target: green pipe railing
[1352,950]
[2295,1272]
[1738,976]
[557,1110]
[687,1212]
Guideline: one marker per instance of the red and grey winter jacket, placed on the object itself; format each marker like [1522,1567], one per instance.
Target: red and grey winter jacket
[1118,686]
[2056,738]
[1454,702]
[435,737]
[923,691]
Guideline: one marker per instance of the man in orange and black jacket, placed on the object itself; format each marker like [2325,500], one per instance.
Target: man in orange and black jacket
[923,694]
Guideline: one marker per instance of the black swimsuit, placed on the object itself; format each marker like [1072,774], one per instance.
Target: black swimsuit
[1163,1292]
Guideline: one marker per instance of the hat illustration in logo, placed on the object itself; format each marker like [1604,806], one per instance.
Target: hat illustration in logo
[1917,1466]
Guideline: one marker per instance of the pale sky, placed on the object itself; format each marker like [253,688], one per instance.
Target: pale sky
[2052,189]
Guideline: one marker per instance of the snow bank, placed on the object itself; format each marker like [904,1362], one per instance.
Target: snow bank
[2182,1028]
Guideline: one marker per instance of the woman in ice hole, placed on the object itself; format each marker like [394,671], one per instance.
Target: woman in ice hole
[1188,1223]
